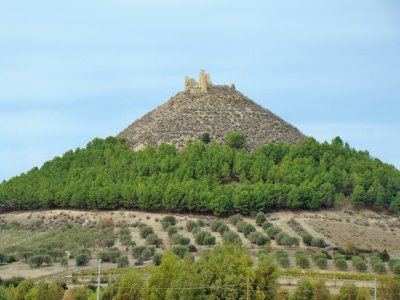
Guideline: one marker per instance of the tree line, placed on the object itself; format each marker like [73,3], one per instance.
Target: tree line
[206,177]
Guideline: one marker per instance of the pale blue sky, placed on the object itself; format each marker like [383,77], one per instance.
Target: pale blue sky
[74,70]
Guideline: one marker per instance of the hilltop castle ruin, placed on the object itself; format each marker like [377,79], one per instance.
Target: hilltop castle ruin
[200,88]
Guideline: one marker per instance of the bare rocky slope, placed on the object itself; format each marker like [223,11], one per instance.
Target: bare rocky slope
[219,111]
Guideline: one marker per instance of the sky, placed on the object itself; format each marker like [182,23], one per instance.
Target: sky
[74,70]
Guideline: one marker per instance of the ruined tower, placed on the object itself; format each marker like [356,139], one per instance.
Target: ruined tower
[198,88]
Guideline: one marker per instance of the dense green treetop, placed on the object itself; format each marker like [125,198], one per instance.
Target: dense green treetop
[107,174]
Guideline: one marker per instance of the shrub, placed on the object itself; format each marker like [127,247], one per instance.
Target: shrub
[272,231]
[260,218]
[394,265]
[204,238]
[139,261]
[82,259]
[359,264]
[320,259]
[341,264]
[109,255]
[3,258]
[258,238]
[38,260]
[209,240]
[282,258]
[192,248]
[245,228]
[157,259]
[223,228]
[196,230]
[154,240]
[396,269]
[266,225]
[180,250]
[145,230]
[307,239]
[190,225]
[385,257]
[285,240]
[146,254]
[235,219]
[321,262]
[215,224]
[377,264]
[172,230]
[201,223]
[109,243]
[231,237]
[167,221]
[301,260]
[235,140]
[64,262]
[137,251]
[317,242]
[122,261]
[180,239]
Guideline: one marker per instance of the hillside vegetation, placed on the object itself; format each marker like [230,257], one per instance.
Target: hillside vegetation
[206,178]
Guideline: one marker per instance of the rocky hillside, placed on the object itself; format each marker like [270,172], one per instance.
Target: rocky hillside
[218,111]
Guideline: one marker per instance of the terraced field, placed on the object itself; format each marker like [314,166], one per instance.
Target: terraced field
[339,246]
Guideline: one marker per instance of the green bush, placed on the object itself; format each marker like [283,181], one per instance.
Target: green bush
[235,219]
[209,240]
[172,230]
[3,258]
[167,221]
[64,262]
[284,239]
[180,250]
[258,238]
[180,239]
[82,259]
[377,264]
[245,228]
[215,224]
[157,259]
[147,254]
[302,260]
[204,238]
[223,228]
[139,261]
[154,240]
[38,260]
[321,262]
[122,261]
[137,251]
[236,140]
[266,225]
[145,230]
[307,239]
[260,218]
[359,264]
[341,264]
[272,231]
[109,243]
[231,237]
[190,225]
[394,265]
[282,258]
[109,255]
[318,242]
